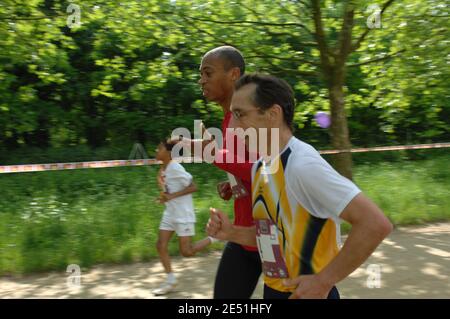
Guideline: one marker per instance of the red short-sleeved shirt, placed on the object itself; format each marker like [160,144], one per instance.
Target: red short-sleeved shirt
[242,206]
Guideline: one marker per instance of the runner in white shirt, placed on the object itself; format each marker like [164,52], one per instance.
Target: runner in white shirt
[177,187]
[298,202]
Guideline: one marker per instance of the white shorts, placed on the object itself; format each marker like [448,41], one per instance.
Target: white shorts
[182,229]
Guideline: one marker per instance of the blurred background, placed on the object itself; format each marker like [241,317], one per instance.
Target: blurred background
[86,80]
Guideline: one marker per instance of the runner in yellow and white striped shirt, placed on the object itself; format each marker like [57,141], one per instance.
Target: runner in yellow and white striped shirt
[298,202]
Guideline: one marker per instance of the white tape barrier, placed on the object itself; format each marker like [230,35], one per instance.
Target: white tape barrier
[141,162]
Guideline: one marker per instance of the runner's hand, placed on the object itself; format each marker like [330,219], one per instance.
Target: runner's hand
[164,197]
[219,225]
[308,287]
[224,190]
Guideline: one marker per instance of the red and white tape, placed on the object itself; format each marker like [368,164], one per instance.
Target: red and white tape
[388,148]
[76,165]
[141,162]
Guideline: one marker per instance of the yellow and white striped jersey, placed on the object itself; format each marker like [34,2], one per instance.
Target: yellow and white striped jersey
[303,197]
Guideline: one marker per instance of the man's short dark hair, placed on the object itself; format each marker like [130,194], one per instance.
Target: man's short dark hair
[271,90]
[168,145]
[231,56]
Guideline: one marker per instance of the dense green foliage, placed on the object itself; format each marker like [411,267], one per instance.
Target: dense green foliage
[129,72]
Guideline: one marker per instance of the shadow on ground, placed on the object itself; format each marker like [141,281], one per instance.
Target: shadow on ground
[414,263]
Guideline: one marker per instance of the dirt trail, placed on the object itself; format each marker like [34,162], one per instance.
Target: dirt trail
[414,263]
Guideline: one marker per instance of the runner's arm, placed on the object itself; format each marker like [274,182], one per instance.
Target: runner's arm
[188,190]
[240,170]
[369,228]
[220,227]
[243,235]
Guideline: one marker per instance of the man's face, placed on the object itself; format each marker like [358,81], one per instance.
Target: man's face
[245,113]
[217,84]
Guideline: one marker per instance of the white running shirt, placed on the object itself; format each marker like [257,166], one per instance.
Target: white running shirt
[180,209]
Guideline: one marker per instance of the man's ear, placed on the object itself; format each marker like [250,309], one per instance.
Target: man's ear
[235,73]
[275,112]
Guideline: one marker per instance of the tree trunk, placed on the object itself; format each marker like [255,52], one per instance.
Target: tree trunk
[332,62]
[340,138]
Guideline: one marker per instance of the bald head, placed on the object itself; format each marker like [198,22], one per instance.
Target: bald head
[231,57]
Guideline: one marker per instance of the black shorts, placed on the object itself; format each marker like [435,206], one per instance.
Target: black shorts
[238,273]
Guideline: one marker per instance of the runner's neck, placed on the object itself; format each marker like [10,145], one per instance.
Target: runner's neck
[283,140]
[166,163]
[226,104]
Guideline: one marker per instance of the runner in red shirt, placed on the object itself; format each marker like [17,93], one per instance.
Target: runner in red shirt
[240,266]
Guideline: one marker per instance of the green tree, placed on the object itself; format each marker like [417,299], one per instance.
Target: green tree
[129,71]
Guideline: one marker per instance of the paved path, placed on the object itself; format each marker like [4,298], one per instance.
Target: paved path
[414,263]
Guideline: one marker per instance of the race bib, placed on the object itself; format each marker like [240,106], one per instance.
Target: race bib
[237,188]
[269,249]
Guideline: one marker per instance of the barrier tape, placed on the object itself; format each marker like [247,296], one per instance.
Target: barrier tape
[388,148]
[76,165]
[141,162]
